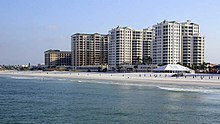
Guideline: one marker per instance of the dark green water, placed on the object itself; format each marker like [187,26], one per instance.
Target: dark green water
[53,101]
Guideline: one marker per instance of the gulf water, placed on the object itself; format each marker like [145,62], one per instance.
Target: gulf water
[67,101]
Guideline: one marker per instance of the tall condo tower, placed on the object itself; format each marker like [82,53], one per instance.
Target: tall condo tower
[167,44]
[176,42]
[148,37]
[137,46]
[193,44]
[120,47]
[89,49]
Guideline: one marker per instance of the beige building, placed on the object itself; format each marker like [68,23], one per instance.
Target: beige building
[57,58]
[89,49]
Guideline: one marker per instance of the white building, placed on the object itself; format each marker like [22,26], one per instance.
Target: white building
[176,42]
[148,36]
[193,44]
[120,47]
[137,46]
[167,45]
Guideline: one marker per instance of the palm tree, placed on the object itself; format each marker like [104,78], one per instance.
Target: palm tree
[119,68]
[194,66]
[138,61]
[179,63]
[149,60]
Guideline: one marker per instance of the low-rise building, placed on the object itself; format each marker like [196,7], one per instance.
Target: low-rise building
[57,58]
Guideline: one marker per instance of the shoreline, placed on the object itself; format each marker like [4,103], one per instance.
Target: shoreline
[139,78]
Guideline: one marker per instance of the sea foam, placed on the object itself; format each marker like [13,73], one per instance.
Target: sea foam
[188,89]
[27,78]
[114,83]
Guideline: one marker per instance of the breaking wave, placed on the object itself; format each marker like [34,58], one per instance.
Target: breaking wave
[62,79]
[26,78]
[188,89]
[113,83]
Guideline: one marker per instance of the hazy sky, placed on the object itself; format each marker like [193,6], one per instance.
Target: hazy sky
[29,27]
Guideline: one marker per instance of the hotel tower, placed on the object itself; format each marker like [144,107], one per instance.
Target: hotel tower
[193,44]
[167,43]
[176,42]
[120,47]
[148,37]
[89,49]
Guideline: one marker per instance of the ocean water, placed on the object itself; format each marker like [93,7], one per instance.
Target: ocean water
[63,101]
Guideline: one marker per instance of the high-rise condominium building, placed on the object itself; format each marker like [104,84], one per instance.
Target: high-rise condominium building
[148,36]
[193,44]
[57,58]
[137,46]
[120,47]
[167,44]
[89,49]
[129,46]
[176,42]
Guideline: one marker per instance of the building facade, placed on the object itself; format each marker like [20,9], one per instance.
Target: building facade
[148,37]
[89,49]
[193,44]
[167,44]
[57,58]
[129,47]
[176,42]
[120,47]
[137,47]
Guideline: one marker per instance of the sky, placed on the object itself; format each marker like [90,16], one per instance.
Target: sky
[30,27]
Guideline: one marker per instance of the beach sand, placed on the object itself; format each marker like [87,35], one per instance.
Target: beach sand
[146,78]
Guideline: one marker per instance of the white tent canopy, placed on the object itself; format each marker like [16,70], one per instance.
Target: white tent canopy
[172,67]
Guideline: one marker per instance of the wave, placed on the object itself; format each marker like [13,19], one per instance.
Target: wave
[27,78]
[61,79]
[186,89]
[114,83]
[78,80]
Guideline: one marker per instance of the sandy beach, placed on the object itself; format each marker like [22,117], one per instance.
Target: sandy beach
[147,78]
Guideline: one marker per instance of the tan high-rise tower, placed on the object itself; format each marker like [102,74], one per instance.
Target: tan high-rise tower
[89,49]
